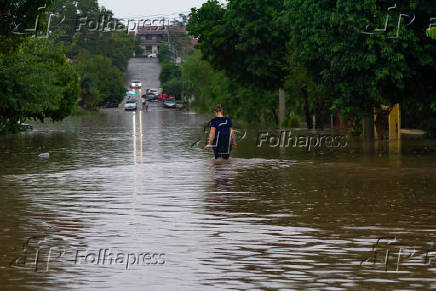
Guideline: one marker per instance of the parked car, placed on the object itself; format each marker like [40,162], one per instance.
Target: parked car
[136,84]
[152,56]
[170,103]
[153,91]
[162,97]
[151,97]
[130,105]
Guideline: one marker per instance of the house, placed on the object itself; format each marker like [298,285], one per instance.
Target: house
[151,37]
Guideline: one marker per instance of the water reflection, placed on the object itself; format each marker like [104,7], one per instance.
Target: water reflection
[266,218]
[140,137]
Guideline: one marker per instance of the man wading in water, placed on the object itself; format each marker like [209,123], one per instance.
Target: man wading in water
[221,136]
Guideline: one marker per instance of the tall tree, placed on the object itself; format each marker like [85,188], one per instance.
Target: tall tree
[17,16]
[209,86]
[37,82]
[101,82]
[346,46]
[246,40]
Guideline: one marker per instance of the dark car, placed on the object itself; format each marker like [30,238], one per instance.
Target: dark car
[151,97]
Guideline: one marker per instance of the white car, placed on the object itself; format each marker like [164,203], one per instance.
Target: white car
[130,105]
[153,92]
[136,84]
[152,56]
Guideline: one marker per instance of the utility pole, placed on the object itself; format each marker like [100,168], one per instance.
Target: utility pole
[169,42]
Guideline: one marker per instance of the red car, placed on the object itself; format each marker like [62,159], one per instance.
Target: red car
[163,97]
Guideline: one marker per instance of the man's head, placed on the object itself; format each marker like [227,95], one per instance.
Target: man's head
[218,110]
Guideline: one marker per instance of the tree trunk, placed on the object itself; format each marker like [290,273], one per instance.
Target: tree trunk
[368,128]
[382,123]
[282,106]
[309,120]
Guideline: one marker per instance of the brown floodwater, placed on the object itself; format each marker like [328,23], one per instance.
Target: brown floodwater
[139,187]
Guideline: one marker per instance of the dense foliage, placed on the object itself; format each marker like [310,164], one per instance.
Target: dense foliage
[246,40]
[208,87]
[170,76]
[101,82]
[432,32]
[328,55]
[138,48]
[19,17]
[364,70]
[100,57]
[36,82]
[45,70]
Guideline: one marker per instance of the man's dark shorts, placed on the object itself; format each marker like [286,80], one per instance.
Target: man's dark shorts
[222,155]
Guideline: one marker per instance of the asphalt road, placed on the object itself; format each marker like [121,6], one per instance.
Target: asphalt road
[144,70]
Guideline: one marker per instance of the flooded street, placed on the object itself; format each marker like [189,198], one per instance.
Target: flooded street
[138,185]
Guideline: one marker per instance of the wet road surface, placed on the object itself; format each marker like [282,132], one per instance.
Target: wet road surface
[147,72]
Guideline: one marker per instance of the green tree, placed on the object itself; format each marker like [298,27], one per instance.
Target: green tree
[198,75]
[138,48]
[169,71]
[306,98]
[118,46]
[37,82]
[99,56]
[17,16]
[338,44]
[70,12]
[432,32]
[102,83]
[173,87]
[164,53]
[246,40]
[208,87]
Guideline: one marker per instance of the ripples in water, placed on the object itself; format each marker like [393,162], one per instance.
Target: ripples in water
[249,222]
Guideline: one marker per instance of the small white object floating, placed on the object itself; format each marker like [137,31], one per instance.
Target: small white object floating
[45,155]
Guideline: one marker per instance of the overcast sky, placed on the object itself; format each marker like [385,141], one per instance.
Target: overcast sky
[139,8]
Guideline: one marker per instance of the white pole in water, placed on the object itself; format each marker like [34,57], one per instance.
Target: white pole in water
[314,122]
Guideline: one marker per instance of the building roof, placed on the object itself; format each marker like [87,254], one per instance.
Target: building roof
[155,30]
